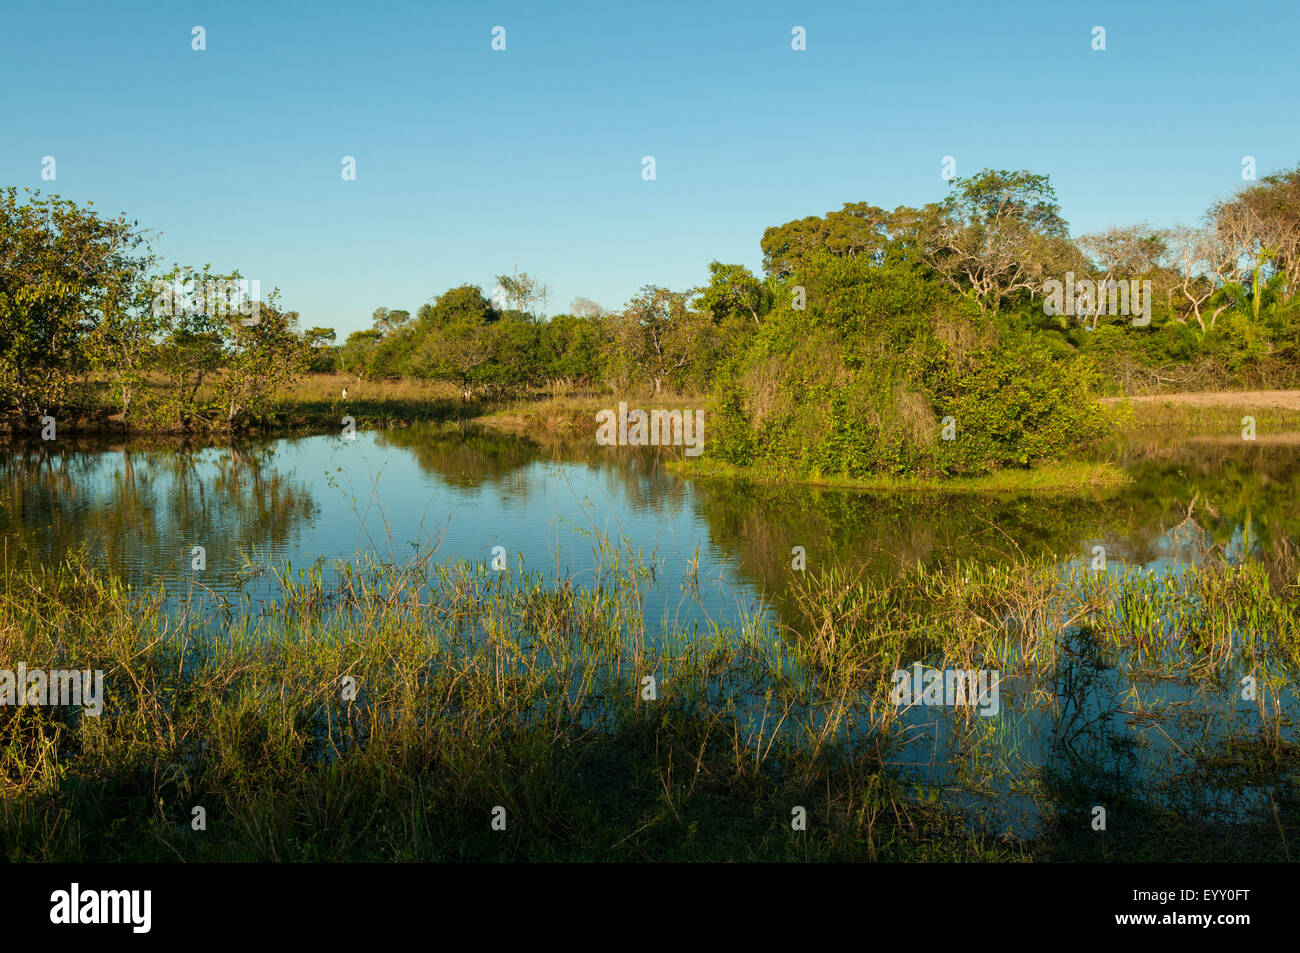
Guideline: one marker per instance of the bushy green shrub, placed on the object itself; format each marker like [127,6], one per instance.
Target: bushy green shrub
[860,381]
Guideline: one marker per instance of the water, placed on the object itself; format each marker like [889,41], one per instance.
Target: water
[140,509]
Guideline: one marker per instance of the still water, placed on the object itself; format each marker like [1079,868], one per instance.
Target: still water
[141,510]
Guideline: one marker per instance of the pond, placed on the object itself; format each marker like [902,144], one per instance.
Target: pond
[212,520]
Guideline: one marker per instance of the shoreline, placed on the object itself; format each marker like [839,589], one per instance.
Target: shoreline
[1205,417]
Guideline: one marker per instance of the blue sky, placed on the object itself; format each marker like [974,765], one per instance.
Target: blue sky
[470,161]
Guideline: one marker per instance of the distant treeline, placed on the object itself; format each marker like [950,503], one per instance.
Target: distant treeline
[880,341]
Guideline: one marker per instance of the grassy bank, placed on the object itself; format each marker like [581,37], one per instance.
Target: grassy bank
[545,417]
[476,691]
[1053,478]
[316,403]
[1211,414]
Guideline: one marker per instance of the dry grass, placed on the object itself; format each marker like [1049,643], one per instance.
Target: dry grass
[1211,415]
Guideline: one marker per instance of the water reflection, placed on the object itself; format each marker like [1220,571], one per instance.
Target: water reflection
[140,510]
[465,489]
[1095,730]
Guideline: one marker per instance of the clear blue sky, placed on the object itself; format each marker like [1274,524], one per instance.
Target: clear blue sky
[470,161]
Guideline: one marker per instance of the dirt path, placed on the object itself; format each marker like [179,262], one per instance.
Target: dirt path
[1282,399]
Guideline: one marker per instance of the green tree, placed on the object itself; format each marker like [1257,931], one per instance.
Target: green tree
[656,335]
[857,229]
[357,350]
[63,269]
[734,291]
[124,345]
[453,342]
[192,342]
[515,354]
[324,354]
[995,235]
[569,348]
[260,360]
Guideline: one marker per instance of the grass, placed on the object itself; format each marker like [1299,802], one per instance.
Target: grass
[1201,420]
[473,694]
[316,403]
[478,690]
[1071,477]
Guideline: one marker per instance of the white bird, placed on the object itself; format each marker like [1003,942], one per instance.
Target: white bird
[345,393]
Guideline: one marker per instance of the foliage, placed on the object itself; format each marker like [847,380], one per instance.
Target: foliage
[860,382]
[64,271]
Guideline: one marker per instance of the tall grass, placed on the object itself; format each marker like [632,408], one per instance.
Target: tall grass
[473,691]
[478,690]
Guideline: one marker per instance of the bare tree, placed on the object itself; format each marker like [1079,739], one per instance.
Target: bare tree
[585,308]
[1203,261]
[1128,250]
[527,292]
[1261,222]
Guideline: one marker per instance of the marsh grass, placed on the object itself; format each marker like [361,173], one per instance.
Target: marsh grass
[478,689]
[1131,680]
[1203,623]
[474,690]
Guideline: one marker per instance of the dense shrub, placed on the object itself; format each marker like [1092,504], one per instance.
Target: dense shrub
[860,381]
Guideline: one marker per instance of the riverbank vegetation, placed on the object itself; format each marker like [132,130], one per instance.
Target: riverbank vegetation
[915,343]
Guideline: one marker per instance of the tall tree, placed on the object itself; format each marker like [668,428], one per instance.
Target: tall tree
[64,269]
[656,334]
[857,229]
[995,234]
